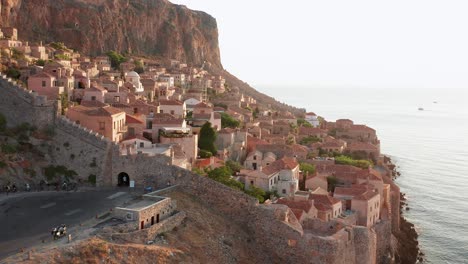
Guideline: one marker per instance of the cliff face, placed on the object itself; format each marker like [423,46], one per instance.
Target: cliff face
[146,27]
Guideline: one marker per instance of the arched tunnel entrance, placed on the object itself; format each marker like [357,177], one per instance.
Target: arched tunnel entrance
[123,180]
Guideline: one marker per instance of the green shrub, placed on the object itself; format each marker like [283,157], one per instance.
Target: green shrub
[2,164]
[205,154]
[345,160]
[92,179]
[52,172]
[207,138]
[9,149]
[309,139]
[257,193]
[229,121]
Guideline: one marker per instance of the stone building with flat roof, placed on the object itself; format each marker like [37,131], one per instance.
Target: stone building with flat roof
[146,211]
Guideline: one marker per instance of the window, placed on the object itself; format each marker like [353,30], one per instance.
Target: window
[149,125]
[135,110]
[117,99]
[142,145]
[255,157]
[161,111]
[251,182]
[284,191]
[43,83]
[172,112]
[102,125]
[93,98]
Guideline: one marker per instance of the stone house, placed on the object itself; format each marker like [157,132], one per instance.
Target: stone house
[135,125]
[256,160]
[182,137]
[369,150]
[328,207]
[146,212]
[107,121]
[191,103]
[362,200]
[312,119]
[316,181]
[281,175]
[233,143]
[281,127]
[361,133]
[198,120]
[45,84]
[95,93]
[175,108]
[303,209]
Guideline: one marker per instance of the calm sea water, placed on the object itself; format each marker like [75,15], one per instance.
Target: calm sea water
[430,148]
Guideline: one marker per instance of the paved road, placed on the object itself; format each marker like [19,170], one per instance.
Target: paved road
[26,219]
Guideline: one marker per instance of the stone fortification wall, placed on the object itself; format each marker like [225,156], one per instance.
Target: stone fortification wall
[20,105]
[365,241]
[268,225]
[384,248]
[81,150]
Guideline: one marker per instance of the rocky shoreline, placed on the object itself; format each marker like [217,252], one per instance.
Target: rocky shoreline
[407,250]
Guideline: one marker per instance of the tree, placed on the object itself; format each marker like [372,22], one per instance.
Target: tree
[303,122]
[257,193]
[256,112]
[116,58]
[307,169]
[13,73]
[207,138]
[229,121]
[204,154]
[309,139]
[139,68]
[234,165]
[40,62]
[58,45]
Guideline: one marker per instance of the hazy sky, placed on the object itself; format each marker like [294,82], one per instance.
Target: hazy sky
[398,43]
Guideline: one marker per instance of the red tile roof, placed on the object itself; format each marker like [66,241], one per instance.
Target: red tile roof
[323,202]
[285,163]
[170,102]
[132,120]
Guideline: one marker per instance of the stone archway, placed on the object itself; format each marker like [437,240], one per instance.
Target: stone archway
[123,180]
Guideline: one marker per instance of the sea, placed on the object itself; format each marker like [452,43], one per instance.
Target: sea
[428,145]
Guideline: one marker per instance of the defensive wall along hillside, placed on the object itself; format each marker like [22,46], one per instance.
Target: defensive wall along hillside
[274,229]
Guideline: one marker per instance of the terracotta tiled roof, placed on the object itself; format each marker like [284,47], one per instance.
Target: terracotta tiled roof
[323,201]
[132,120]
[302,205]
[42,75]
[104,111]
[170,102]
[93,103]
[361,128]
[202,116]
[350,191]
[202,105]
[298,213]
[285,163]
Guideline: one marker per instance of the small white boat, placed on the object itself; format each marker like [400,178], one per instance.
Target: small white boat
[421,109]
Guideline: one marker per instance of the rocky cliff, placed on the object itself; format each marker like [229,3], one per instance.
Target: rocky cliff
[147,27]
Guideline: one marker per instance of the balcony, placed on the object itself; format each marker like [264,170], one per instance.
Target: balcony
[123,129]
